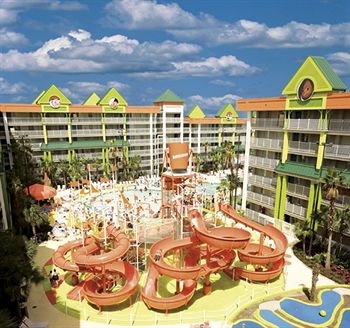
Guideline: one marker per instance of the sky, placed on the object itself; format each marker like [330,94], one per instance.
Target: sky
[209,52]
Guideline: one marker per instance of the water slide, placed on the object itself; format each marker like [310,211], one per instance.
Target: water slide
[88,257]
[219,255]
[258,254]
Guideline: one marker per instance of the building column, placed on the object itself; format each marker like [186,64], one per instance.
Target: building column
[190,134]
[283,198]
[182,125]
[246,161]
[311,201]
[199,139]
[151,142]
[277,197]
[7,136]
[164,130]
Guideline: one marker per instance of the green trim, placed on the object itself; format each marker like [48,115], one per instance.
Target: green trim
[311,201]
[35,101]
[321,150]
[168,96]
[277,197]
[82,144]
[283,198]
[285,147]
[310,104]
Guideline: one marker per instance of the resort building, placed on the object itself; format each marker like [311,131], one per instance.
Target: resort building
[102,127]
[292,140]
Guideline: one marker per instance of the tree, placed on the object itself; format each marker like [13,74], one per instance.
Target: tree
[62,170]
[342,224]
[7,321]
[76,168]
[301,230]
[50,168]
[317,217]
[35,217]
[225,188]
[216,159]
[198,162]
[315,273]
[17,271]
[114,151]
[333,180]
[134,167]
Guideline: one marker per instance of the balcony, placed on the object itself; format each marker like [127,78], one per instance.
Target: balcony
[55,120]
[309,148]
[57,134]
[274,144]
[137,132]
[24,121]
[296,210]
[298,190]
[27,133]
[261,162]
[339,202]
[261,199]
[270,123]
[339,126]
[338,151]
[306,124]
[114,120]
[264,182]
[87,132]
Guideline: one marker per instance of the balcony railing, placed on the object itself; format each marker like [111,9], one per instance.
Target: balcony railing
[298,189]
[28,133]
[267,143]
[137,132]
[25,121]
[262,181]
[267,123]
[340,151]
[262,199]
[268,163]
[339,125]
[307,124]
[303,147]
[340,201]
[57,133]
[114,120]
[55,120]
[87,132]
[296,210]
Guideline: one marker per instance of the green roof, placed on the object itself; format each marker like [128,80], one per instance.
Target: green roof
[44,97]
[82,144]
[226,108]
[307,171]
[93,99]
[196,112]
[168,96]
[331,76]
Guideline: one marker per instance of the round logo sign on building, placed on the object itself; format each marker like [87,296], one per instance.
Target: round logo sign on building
[305,90]
[55,101]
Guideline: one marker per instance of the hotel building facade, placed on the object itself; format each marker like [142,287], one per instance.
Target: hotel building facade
[292,140]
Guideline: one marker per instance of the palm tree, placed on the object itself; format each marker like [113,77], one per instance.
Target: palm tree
[114,151]
[317,217]
[76,168]
[315,273]
[134,166]
[333,180]
[198,162]
[50,168]
[342,224]
[216,159]
[35,217]
[301,230]
[62,170]
[225,188]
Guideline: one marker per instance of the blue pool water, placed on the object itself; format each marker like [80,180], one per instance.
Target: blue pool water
[272,317]
[345,320]
[248,324]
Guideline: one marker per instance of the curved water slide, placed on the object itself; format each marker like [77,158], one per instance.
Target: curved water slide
[89,258]
[257,253]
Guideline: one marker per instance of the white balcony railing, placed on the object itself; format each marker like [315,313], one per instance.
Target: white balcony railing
[339,125]
[24,121]
[296,210]
[341,151]
[57,133]
[303,147]
[262,199]
[28,133]
[55,120]
[267,123]
[262,181]
[268,163]
[298,189]
[340,201]
[267,143]
[86,132]
[308,124]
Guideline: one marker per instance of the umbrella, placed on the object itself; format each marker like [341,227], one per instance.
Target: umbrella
[40,192]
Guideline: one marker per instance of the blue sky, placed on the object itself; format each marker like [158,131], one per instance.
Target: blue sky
[209,52]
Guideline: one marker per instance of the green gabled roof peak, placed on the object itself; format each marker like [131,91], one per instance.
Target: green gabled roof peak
[226,108]
[92,99]
[320,72]
[196,112]
[45,96]
[112,93]
[168,96]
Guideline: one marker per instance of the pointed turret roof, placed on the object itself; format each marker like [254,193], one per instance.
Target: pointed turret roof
[168,96]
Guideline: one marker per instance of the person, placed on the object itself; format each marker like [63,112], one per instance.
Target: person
[55,278]
[158,255]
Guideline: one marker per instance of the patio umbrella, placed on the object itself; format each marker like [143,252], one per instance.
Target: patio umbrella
[41,192]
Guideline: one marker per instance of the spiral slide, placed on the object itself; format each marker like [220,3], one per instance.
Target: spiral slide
[218,253]
[106,266]
[256,253]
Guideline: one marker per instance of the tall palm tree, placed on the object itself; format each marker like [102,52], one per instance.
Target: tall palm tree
[114,151]
[225,188]
[301,230]
[134,166]
[333,180]
[50,168]
[62,170]
[317,217]
[342,224]
[76,168]
[316,269]
[35,217]
[198,161]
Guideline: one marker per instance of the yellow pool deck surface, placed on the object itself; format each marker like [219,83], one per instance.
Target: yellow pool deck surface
[297,274]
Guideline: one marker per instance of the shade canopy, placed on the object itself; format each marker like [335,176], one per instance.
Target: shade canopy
[41,192]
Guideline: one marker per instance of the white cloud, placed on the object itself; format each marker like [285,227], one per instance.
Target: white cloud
[149,14]
[7,16]
[141,14]
[212,103]
[340,62]
[212,66]
[8,88]
[10,39]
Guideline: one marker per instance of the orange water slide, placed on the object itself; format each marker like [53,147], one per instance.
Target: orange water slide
[257,253]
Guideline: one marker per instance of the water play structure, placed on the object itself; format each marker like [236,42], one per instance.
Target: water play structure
[102,264]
